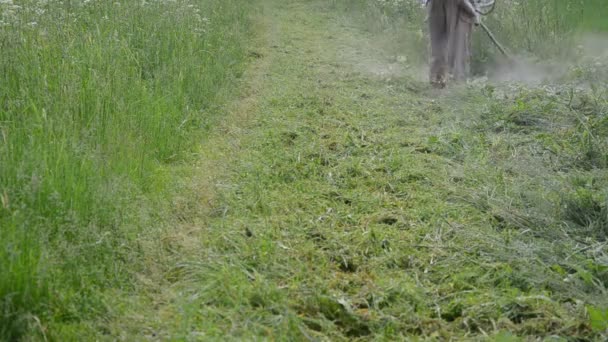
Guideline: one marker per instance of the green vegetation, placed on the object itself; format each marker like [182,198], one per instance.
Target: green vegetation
[544,29]
[331,194]
[99,101]
[539,29]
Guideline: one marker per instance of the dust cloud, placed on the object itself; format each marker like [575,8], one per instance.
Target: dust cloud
[587,49]
[524,69]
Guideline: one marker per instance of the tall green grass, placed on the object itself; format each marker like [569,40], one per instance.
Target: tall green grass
[544,29]
[96,97]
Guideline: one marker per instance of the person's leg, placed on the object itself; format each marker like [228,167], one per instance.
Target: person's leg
[459,50]
[439,40]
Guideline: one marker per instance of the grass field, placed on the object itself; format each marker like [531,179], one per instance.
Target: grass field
[200,170]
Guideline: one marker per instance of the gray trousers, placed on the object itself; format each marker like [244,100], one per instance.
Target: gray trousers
[450,26]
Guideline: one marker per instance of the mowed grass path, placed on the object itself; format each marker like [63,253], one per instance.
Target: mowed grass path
[351,201]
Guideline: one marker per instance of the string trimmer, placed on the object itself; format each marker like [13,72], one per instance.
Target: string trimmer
[485,7]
